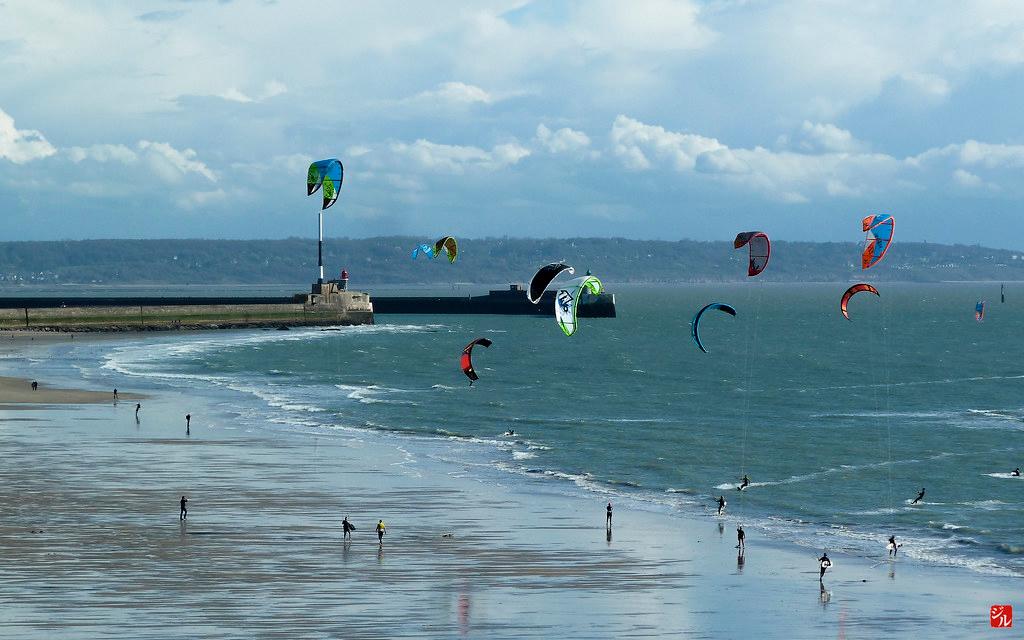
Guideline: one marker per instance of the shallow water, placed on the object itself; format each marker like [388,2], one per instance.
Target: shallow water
[837,423]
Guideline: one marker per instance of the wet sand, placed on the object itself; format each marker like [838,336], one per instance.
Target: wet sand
[91,545]
[19,391]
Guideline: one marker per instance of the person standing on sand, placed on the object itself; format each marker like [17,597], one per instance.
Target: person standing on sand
[188,422]
[380,531]
[741,539]
[608,517]
[115,396]
[346,528]
[919,496]
[35,385]
[138,406]
[184,509]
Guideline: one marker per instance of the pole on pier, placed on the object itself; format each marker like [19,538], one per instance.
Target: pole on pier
[320,248]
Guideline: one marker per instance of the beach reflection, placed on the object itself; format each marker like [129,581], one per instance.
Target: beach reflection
[464,614]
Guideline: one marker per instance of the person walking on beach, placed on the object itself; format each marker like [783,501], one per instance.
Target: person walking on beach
[137,407]
[380,531]
[346,528]
[188,422]
[824,563]
[919,496]
[893,547]
[35,385]
[608,517]
[184,509]
[721,505]
[741,539]
[115,396]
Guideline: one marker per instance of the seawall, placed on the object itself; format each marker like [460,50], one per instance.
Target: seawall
[512,301]
[113,314]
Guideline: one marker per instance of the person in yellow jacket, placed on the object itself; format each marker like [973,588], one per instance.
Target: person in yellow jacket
[381,530]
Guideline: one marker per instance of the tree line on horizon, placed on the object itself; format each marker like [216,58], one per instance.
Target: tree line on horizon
[387,260]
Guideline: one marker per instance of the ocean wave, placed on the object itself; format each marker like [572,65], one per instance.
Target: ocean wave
[987,505]
[994,413]
[1006,476]
[137,359]
[523,455]
[369,394]
[882,385]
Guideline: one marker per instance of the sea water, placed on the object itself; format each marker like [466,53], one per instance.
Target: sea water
[837,423]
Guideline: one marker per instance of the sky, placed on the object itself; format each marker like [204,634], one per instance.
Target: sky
[644,119]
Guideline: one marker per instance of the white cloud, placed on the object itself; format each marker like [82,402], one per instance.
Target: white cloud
[834,169]
[171,164]
[967,179]
[457,159]
[199,199]
[830,162]
[636,143]
[818,136]
[455,93]
[564,140]
[103,153]
[973,154]
[643,25]
[21,145]
[269,90]
[926,85]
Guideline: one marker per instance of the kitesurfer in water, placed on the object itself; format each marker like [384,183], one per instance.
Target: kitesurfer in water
[893,547]
[744,483]
[1016,473]
[380,531]
[721,504]
[823,563]
[510,433]
[920,495]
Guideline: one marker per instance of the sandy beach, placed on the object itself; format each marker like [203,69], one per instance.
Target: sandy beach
[16,391]
[92,546]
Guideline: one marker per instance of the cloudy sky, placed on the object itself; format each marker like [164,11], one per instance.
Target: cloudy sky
[646,119]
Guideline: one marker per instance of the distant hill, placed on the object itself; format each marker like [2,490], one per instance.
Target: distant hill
[386,260]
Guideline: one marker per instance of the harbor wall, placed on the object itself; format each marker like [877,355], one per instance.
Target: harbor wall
[350,309]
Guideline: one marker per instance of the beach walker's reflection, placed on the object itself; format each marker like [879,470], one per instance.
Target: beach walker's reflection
[824,596]
[740,561]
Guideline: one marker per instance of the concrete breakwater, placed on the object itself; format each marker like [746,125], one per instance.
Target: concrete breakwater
[511,301]
[135,314]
